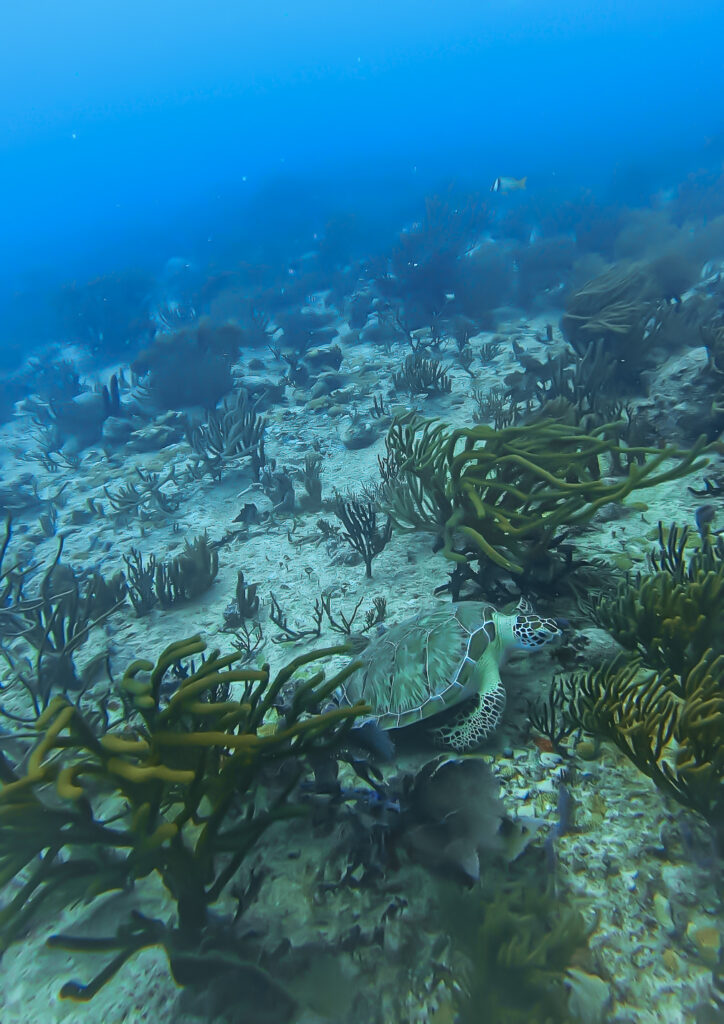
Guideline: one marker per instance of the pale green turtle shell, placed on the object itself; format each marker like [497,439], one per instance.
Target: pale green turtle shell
[423,665]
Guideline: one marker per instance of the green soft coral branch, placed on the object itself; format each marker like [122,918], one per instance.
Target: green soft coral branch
[251,744]
[262,702]
[575,502]
[508,491]
[484,548]
[561,488]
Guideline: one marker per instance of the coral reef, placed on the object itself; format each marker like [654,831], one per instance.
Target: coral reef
[583,381]
[422,376]
[191,366]
[245,604]
[68,414]
[670,721]
[187,575]
[519,940]
[141,578]
[670,617]
[312,482]
[177,789]
[171,582]
[50,623]
[634,306]
[278,486]
[146,499]
[164,806]
[344,624]
[507,496]
[614,306]
[670,726]
[358,515]
[228,437]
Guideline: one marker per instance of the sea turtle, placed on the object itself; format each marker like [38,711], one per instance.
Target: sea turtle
[438,658]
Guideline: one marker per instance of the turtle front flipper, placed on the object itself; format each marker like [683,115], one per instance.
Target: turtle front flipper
[475,723]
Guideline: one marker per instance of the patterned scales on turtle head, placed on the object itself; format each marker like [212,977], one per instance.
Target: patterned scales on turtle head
[532,631]
[440,658]
[524,630]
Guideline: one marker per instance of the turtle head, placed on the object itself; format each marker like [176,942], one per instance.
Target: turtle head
[531,631]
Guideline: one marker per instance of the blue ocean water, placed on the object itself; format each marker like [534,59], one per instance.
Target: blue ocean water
[386,338]
[143,130]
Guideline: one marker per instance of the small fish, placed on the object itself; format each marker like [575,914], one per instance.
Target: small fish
[565,811]
[508,184]
[704,517]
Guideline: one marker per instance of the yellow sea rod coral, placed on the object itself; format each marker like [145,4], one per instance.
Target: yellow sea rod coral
[174,788]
